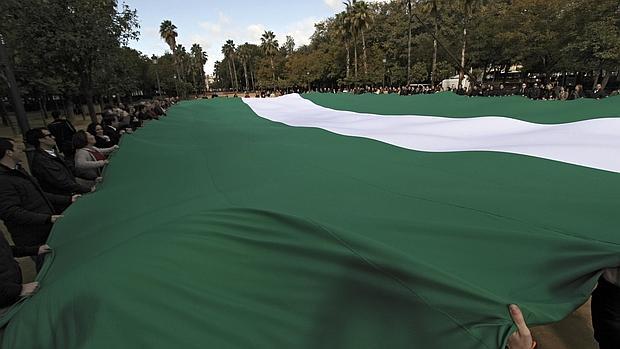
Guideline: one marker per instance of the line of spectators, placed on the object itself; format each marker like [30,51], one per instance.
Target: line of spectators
[551,91]
[65,164]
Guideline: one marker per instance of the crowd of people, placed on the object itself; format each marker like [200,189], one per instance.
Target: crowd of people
[535,91]
[64,163]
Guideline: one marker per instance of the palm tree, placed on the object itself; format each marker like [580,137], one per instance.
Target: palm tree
[350,23]
[468,7]
[343,32]
[269,44]
[243,52]
[361,20]
[229,51]
[168,32]
[199,58]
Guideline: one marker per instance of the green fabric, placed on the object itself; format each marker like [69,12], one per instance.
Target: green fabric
[451,105]
[215,228]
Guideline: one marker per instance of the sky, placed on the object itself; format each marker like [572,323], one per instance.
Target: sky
[211,22]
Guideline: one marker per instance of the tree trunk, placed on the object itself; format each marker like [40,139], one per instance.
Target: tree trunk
[597,75]
[15,97]
[235,72]
[434,66]
[232,82]
[462,70]
[194,82]
[605,79]
[252,76]
[245,73]
[273,70]
[3,114]
[88,95]
[355,55]
[42,110]
[43,103]
[348,60]
[364,53]
[408,47]
[435,32]
[69,108]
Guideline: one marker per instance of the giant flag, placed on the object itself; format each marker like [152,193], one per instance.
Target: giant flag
[335,221]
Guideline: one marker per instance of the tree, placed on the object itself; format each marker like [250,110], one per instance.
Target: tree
[229,52]
[244,53]
[289,45]
[594,43]
[168,32]
[343,33]
[199,58]
[361,21]
[349,19]
[269,44]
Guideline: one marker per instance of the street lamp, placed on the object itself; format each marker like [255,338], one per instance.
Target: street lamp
[308,79]
[384,65]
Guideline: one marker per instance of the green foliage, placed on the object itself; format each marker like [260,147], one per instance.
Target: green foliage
[77,47]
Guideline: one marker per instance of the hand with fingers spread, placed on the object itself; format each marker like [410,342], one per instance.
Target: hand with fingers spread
[522,337]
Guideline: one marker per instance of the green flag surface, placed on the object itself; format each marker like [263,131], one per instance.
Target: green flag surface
[335,221]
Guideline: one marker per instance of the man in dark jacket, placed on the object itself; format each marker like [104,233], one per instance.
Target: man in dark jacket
[63,130]
[11,287]
[49,167]
[599,92]
[535,92]
[27,211]
[110,126]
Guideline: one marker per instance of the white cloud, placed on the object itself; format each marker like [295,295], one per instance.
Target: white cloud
[300,31]
[333,4]
[223,18]
[212,28]
[337,5]
[255,31]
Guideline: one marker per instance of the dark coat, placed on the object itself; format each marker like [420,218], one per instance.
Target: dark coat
[598,94]
[54,175]
[535,93]
[103,142]
[63,132]
[113,133]
[10,273]
[25,208]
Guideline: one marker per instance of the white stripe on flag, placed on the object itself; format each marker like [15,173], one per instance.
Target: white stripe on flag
[593,143]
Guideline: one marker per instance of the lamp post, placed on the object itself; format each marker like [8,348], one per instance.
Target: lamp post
[157,75]
[384,65]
